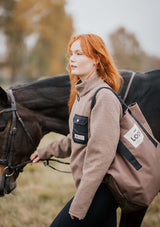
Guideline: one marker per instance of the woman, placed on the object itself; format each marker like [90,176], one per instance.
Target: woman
[93,136]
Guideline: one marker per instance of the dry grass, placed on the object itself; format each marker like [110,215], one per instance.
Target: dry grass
[41,193]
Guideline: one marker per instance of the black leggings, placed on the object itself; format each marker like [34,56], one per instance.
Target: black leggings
[102,212]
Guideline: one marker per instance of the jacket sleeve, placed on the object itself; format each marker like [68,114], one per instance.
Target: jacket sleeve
[59,149]
[100,150]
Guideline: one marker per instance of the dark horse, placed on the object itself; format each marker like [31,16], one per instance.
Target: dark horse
[28,112]
[41,107]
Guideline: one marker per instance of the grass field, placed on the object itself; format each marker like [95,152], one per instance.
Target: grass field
[41,193]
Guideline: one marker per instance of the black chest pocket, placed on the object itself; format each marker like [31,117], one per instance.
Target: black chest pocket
[80,129]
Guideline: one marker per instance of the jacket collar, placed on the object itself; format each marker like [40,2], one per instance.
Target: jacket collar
[83,87]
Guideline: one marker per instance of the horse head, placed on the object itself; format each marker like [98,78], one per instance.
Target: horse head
[16,124]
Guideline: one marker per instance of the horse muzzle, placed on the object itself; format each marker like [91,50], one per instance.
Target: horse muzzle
[7,183]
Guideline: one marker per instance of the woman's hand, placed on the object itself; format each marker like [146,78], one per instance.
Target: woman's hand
[72,217]
[35,158]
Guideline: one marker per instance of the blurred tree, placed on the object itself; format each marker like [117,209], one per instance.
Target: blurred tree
[150,62]
[128,53]
[6,11]
[126,49]
[6,15]
[48,22]
[54,31]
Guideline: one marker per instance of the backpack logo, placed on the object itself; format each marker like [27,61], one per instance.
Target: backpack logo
[134,136]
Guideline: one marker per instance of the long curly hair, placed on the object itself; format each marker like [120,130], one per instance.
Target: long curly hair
[94,47]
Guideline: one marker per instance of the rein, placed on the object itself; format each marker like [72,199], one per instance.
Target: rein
[10,148]
[46,163]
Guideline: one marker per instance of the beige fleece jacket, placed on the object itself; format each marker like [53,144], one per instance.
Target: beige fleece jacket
[91,143]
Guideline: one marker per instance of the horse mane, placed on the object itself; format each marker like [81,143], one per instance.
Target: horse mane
[25,113]
[57,81]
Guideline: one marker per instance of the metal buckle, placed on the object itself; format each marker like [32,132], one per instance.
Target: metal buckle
[8,175]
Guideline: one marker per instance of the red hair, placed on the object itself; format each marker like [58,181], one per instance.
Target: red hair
[94,47]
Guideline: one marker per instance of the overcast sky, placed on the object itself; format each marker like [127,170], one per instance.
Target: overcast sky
[142,17]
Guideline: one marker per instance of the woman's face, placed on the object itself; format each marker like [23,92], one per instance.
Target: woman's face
[80,64]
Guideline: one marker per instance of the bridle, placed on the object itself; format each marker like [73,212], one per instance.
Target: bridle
[9,149]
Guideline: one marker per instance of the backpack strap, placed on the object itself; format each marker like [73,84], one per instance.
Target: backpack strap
[125,152]
[120,148]
[124,107]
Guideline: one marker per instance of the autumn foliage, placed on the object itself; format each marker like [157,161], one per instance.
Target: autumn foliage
[37,33]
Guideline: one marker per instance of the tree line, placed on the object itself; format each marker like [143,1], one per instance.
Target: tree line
[128,53]
[37,33]
[43,22]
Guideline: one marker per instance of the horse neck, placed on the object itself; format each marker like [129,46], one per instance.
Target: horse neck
[48,100]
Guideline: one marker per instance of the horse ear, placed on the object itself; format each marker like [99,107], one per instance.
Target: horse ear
[3,97]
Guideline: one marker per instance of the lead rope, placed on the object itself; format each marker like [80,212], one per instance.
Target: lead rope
[46,163]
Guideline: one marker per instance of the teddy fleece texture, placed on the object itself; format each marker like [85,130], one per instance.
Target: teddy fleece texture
[91,143]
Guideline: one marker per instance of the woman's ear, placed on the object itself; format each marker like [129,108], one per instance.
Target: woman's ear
[3,97]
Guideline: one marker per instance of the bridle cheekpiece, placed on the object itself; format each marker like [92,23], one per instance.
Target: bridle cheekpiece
[9,150]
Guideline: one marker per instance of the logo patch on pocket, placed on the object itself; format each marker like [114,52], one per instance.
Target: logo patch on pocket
[134,136]
[79,137]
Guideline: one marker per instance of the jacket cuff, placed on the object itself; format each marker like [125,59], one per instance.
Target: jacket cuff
[44,153]
[80,214]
